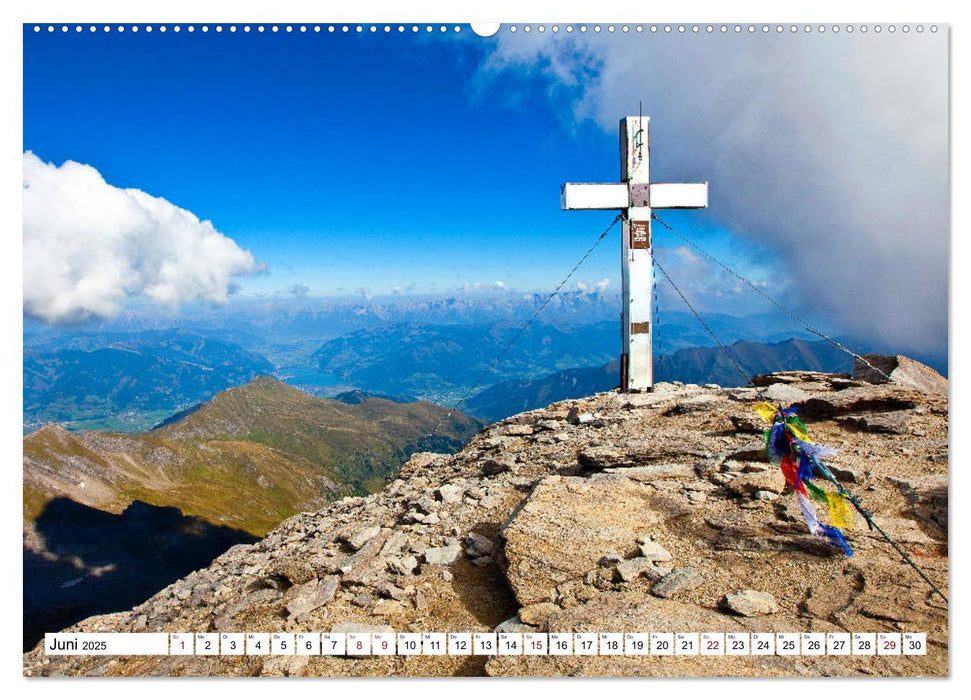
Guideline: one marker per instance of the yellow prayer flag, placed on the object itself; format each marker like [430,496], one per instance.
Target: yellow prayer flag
[797,431]
[766,410]
[840,514]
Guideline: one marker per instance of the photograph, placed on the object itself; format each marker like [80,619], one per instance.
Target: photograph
[536,349]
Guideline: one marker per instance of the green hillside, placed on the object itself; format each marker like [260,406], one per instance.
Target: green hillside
[249,458]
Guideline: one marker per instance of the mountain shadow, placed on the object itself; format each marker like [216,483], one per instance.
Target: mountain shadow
[80,561]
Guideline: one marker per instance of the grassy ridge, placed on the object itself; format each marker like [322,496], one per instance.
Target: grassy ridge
[249,458]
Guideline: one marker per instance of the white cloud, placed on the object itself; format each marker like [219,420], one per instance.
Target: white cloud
[830,150]
[89,247]
[497,285]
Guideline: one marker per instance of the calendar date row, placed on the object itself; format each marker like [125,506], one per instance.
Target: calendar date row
[360,644]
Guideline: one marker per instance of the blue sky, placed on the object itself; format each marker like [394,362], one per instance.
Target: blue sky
[426,162]
[342,161]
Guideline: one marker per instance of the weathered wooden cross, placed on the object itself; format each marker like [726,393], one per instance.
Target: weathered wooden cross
[636,195]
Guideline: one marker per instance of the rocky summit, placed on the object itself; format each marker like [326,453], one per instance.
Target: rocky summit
[651,512]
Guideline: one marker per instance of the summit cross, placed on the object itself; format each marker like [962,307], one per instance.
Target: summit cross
[635,196]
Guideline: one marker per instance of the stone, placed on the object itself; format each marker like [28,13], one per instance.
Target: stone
[389,590]
[309,596]
[611,559]
[498,442]
[564,527]
[426,504]
[386,608]
[365,564]
[902,371]
[679,580]
[653,472]
[477,545]
[482,561]
[514,624]
[405,565]
[784,394]
[537,614]
[394,544]
[858,400]
[640,566]
[443,556]
[579,417]
[694,404]
[821,379]
[893,423]
[750,452]
[749,603]
[450,493]
[514,429]
[746,423]
[847,476]
[765,496]
[294,570]
[654,552]
[359,538]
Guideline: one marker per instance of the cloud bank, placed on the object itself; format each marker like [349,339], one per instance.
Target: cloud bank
[89,246]
[829,150]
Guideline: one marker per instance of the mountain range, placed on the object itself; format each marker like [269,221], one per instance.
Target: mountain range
[438,362]
[697,365]
[129,381]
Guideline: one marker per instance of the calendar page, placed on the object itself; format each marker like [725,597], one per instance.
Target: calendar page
[523,349]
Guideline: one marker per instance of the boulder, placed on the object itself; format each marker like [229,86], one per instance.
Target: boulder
[894,423]
[443,556]
[359,538]
[311,595]
[681,579]
[749,603]
[653,472]
[450,493]
[784,394]
[927,496]
[564,528]
[477,545]
[654,552]
[640,566]
[901,370]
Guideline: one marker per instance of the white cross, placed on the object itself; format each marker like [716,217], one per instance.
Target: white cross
[636,195]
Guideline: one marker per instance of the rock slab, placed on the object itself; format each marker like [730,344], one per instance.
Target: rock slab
[566,526]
